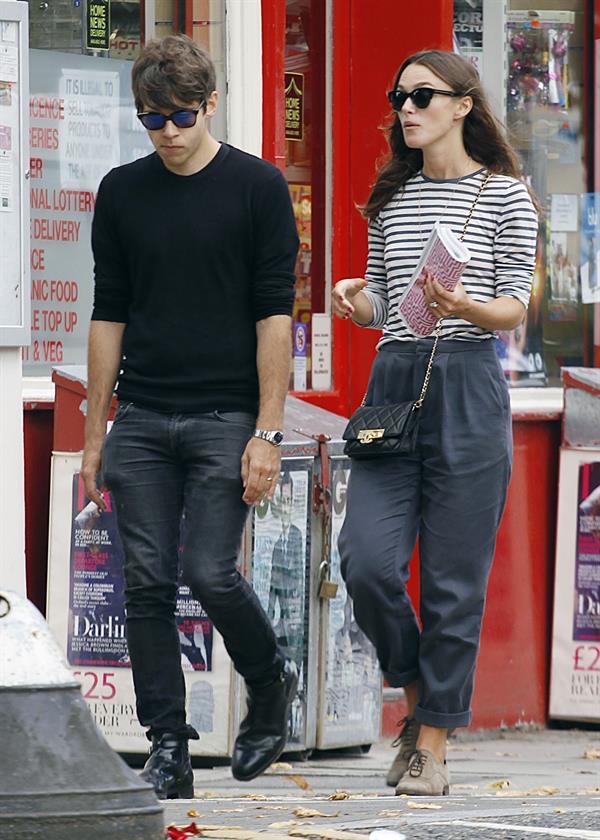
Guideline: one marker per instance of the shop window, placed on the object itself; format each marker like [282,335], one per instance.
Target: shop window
[82,124]
[305,65]
[546,99]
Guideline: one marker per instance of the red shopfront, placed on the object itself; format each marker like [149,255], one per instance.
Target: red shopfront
[325,69]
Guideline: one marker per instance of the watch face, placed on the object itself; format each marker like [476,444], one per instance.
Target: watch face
[277,437]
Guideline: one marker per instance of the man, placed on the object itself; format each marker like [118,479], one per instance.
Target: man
[194,250]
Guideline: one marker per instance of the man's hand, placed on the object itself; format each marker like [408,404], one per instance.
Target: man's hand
[261,463]
[90,468]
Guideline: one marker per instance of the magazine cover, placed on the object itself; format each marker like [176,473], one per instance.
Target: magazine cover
[445,256]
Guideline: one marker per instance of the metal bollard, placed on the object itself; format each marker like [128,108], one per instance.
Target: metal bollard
[58,776]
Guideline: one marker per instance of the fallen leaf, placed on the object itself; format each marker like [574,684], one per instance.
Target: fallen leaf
[592,754]
[499,785]
[283,824]
[423,806]
[545,790]
[312,812]
[512,793]
[339,794]
[298,780]
[559,810]
[273,807]
[193,813]
[256,797]
[326,833]
[206,794]
[391,812]
[280,765]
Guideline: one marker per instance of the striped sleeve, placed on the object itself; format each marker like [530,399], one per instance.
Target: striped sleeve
[376,276]
[515,244]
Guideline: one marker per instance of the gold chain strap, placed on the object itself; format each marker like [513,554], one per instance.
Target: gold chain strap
[474,205]
[438,330]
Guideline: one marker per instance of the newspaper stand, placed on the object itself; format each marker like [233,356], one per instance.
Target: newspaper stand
[575,659]
[289,552]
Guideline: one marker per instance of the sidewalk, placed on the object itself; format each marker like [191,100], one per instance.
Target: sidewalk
[506,786]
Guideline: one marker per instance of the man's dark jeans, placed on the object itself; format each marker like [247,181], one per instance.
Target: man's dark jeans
[157,467]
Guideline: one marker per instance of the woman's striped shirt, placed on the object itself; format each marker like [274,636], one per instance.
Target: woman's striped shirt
[501,237]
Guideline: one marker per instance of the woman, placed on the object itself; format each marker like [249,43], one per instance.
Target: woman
[450,492]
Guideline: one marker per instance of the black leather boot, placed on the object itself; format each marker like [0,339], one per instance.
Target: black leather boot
[263,732]
[169,769]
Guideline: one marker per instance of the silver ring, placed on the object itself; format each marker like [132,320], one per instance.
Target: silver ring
[434,304]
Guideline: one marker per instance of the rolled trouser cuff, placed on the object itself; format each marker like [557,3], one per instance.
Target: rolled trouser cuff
[443,720]
[400,680]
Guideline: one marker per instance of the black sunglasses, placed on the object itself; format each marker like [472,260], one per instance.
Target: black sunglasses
[185,118]
[420,97]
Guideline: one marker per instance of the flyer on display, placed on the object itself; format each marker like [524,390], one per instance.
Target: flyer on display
[280,566]
[575,656]
[352,687]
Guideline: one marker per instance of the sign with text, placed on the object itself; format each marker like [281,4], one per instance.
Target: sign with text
[97,25]
[294,106]
[82,124]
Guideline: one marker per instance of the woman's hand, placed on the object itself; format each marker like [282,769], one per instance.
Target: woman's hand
[502,313]
[344,293]
[444,303]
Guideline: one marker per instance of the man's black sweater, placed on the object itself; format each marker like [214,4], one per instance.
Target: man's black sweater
[190,264]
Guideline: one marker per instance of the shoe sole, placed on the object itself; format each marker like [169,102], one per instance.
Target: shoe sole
[445,792]
[277,755]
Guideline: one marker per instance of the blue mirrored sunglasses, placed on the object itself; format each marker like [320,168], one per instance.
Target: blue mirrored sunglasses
[153,121]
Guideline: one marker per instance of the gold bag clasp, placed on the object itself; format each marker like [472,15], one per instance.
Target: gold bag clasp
[369,435]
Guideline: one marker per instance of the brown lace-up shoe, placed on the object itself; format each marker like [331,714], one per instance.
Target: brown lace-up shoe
[426,776]
[407,743]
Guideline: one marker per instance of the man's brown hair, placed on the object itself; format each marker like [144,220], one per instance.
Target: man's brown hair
[171,71]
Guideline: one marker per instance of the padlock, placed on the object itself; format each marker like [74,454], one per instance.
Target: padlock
[328,589]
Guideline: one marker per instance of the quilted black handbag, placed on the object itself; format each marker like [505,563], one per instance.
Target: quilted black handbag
[377,430]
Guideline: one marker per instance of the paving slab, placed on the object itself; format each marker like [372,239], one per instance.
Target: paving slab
[504,785]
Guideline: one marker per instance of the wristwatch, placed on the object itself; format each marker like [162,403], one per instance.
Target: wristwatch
[273,436]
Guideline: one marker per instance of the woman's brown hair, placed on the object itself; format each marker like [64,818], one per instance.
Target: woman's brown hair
[483,136]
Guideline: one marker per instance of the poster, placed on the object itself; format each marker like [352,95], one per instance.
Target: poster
[563,298]
[468,31]
[97,25]
[352,687]
[281,573]
[96,604]
[86,615]
[294,106]
[575,655]
[521,350]
[586,620]
[590,248]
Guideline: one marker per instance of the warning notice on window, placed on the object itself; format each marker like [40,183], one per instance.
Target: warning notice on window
[97,25]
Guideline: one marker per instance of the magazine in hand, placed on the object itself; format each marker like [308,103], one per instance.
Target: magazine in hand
[445,257]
